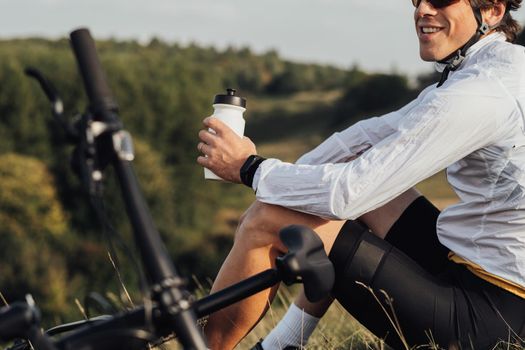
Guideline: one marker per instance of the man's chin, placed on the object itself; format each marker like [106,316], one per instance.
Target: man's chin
[428,57]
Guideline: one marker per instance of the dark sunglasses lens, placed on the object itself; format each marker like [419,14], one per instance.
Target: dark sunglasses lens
[435,3]
[441,3]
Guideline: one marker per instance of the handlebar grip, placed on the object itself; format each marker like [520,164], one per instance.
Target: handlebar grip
[95,82]
[14,321]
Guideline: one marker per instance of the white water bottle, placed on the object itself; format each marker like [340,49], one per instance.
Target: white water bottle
[229,109]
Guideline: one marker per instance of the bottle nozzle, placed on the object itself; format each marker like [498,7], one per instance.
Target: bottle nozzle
[230,99]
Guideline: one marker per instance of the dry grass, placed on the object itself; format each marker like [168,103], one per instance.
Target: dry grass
[336,330]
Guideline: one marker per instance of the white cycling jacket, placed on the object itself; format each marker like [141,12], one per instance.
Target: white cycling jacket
[473,126]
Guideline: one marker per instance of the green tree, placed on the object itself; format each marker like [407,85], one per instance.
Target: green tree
[33,226]
[375,95]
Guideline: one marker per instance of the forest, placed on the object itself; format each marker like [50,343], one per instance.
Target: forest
[52,243]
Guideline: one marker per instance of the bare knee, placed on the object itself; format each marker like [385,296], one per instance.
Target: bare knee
[259,226]
[255,229]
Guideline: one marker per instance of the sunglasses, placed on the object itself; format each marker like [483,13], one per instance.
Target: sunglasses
[438,4]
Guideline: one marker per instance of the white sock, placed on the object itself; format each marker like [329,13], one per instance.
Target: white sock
[294,329]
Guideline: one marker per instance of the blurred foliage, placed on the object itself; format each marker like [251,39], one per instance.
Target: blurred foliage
[52,245]
[375,94]
[34,227]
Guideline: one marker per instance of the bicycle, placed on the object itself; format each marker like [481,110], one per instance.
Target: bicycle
[100,142]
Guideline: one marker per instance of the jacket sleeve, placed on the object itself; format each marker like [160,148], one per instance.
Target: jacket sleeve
[444,126]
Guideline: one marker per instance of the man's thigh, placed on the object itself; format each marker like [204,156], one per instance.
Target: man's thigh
[385,290]
[390,285]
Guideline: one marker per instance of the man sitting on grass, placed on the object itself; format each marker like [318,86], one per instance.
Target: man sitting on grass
[457,277]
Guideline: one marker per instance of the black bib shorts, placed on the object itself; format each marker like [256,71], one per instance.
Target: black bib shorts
[435,301]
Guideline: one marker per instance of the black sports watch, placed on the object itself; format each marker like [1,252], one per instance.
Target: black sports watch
[249,168]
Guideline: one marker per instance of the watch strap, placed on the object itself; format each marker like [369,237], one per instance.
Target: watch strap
[249,168]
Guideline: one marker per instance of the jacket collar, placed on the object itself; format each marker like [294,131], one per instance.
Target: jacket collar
[496,36]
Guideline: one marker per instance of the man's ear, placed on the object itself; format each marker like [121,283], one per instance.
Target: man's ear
[494,15]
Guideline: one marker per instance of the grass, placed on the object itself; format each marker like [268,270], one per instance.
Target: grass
[336,330]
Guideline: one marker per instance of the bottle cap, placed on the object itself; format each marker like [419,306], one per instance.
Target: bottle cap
[230,99]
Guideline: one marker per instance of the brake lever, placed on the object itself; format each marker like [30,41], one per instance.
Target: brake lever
[57,106]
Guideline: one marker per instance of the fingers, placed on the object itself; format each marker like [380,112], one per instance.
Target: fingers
[199,146]
[204,148]
[203,161]
[206,159]
[217,125]
[207,137]
[218,129]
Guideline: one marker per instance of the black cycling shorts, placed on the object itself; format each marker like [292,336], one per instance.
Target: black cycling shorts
[435,301]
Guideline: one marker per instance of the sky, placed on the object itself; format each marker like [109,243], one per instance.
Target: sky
[377,36]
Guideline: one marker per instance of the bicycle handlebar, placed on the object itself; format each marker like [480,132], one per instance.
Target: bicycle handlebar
[136,318]
[305,261]
[39,340]
[100,97]
[21,320]
[15,319]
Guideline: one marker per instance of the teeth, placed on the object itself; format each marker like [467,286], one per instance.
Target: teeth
[428,30]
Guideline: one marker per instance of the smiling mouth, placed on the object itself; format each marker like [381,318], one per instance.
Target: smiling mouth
[430,30]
